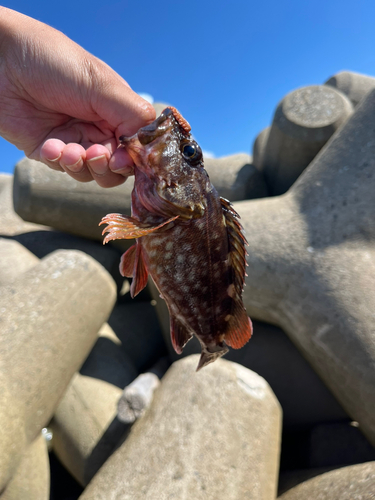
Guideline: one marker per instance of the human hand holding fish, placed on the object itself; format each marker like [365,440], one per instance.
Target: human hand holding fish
[188,239]
[63,106]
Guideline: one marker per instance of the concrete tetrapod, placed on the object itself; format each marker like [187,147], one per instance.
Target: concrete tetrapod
[235,178]
[14,260]
[348,483]
[85,427]
[312,264]
[44,196]
[354,85]
[31,480]
[303,122]
[213,434]
[49,321]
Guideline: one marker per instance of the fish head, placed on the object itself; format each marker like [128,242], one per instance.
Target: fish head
[168,155]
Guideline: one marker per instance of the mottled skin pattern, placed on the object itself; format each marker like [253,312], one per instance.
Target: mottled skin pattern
[197,260]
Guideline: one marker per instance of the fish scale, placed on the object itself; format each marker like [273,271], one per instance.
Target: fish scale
[187,238]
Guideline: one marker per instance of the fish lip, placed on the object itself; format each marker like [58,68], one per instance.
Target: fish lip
[151,131]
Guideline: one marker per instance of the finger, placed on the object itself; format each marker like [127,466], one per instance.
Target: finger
[50,153]
[97,158]
[121,163]
[72,160]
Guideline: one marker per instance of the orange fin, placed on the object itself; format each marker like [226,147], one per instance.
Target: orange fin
[180,336]
[240,328]
[237,246]
[140,273]
[127,262]
[126,227]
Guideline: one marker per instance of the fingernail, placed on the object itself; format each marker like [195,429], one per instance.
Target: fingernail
[54,159]
[99,164]
[116,165]
[76,167]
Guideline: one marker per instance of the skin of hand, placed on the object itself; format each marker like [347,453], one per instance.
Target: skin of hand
[63,106]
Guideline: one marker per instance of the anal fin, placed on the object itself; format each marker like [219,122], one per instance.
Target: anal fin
[180,336]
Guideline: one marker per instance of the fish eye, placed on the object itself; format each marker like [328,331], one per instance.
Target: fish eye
[192,152]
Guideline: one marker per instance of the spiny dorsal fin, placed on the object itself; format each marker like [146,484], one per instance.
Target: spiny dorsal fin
[236,243]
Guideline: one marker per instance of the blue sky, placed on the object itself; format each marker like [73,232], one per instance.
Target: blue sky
[224,65]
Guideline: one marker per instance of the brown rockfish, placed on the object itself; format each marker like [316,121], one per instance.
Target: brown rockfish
[187,238]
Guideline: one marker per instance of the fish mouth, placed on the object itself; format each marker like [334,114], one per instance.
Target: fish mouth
[152,131]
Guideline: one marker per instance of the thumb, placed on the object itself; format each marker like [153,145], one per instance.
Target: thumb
[113,100]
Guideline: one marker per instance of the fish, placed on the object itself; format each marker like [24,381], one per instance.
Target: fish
[188,238]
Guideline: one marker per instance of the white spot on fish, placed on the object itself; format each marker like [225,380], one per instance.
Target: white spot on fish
[159,270]
[169,245]
[227,317]
[153,253]
[231,290]
[178,277]
[217,274]
[180,258]
[168,255]
[155,242]
[193,260]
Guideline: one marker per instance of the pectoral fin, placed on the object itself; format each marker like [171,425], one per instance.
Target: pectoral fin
[126,227]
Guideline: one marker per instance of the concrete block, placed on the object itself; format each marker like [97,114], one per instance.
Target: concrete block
[44,196]
[235,178]
[49,321]
[212,434]
[354,85]
[31,480]
[303,122]
[11,223]
[42,240]
[14,260]
[85,427]
[347,483]
[259,146]
[312,264]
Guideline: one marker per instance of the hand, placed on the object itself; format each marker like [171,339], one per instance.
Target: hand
[63,106]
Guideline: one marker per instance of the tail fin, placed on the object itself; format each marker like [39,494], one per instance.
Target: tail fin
[210,355]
